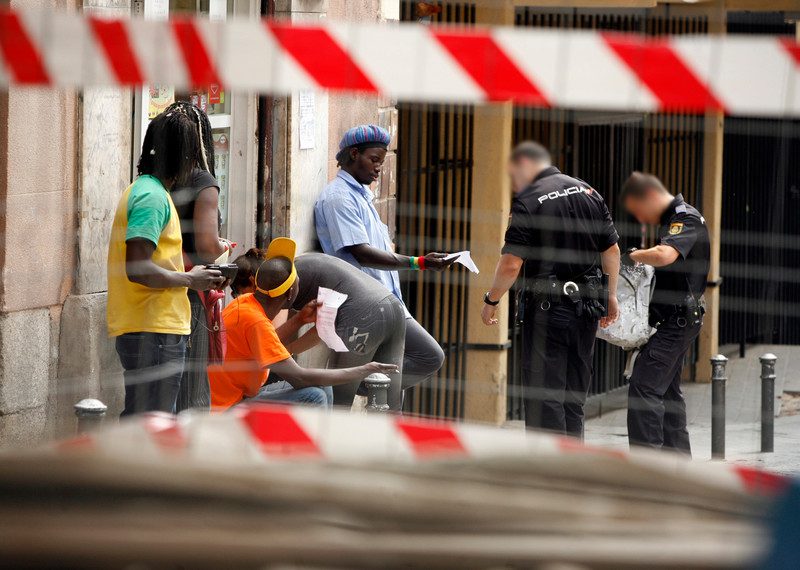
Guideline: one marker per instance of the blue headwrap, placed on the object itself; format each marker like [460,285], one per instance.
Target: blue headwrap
[363,136]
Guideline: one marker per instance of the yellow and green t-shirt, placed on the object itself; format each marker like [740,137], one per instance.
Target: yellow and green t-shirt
[146,211]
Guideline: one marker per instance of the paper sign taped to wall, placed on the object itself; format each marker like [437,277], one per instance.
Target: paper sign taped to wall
[330,301]
[465,259]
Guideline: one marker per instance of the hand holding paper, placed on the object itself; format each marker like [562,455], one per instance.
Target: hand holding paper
[329,303]
[465,259]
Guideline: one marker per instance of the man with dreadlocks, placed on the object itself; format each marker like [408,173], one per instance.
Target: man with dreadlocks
[197,204]
[148,310]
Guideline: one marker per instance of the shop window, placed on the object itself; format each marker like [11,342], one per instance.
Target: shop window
[212,99]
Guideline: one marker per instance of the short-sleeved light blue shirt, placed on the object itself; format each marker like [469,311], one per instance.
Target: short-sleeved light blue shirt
[345,216]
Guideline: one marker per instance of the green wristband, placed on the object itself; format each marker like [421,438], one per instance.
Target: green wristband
[413,262]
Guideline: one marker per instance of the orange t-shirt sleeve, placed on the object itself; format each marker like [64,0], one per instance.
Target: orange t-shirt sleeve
[266,348]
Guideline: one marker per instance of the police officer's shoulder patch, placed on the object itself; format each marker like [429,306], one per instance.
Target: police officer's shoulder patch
[675,228]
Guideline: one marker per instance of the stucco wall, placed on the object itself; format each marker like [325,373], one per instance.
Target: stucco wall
[346,111]
[300,174]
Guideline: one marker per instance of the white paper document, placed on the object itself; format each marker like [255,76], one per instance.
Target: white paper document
[326,318]
[465,259]
[308,127]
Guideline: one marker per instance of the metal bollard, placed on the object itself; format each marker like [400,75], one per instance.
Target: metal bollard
[768,402]
[377,392]
[90,414]
[718,380]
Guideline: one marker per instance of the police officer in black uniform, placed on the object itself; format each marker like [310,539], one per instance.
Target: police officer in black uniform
[561,238]
[656,409]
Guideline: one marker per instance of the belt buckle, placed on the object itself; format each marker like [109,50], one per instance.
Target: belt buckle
[569,288]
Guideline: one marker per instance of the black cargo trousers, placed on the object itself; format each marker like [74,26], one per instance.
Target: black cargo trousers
[557,351]
[656,408]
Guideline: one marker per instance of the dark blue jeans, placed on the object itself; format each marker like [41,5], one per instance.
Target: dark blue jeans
[153,364]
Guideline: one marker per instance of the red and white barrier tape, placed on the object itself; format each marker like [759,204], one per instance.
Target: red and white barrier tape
[557,68]
[268,433]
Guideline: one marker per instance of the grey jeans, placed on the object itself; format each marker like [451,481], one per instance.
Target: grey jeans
[385,334]
[377,335]
[423,356]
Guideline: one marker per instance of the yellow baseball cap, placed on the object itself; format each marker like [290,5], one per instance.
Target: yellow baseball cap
[280,247]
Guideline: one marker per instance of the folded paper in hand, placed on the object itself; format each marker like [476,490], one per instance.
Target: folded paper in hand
[465,259]
[330,301]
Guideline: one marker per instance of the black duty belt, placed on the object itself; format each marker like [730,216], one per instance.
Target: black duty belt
[690,312]
[552,290]
[586,293]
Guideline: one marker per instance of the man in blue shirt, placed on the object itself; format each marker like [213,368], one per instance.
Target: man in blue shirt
[349,227]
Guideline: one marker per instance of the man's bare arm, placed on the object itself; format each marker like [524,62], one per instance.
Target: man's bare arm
[658,256]
[609,259]
[505,274]
[300,377]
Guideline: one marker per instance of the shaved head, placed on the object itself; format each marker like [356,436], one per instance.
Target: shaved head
[273,273]
[528,160]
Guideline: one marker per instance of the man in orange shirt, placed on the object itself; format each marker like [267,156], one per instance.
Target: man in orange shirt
[255,347]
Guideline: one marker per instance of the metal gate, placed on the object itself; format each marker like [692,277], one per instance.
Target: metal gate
[434,190]
[760,251]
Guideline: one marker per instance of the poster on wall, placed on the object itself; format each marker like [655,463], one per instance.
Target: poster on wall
[161,97]
[307,124]
[156,9]
[218,10]
[215,94]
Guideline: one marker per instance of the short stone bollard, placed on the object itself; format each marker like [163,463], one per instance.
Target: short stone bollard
[377,392]
[718,380]
[91,413]
[768,402]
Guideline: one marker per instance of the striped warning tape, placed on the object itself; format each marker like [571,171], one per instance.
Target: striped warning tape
[267,433]
[575,69]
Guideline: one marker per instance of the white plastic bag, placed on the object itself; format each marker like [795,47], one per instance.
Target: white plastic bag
[634,289]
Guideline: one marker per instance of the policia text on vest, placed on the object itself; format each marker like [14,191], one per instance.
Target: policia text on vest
[560,238]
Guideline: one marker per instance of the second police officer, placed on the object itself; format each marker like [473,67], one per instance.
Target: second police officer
[656,409]
[562,240]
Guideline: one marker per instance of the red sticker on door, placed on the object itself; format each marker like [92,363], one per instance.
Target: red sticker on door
[214,94]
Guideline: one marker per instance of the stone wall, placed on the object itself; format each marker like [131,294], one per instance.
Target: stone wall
[64,160]
[38,160]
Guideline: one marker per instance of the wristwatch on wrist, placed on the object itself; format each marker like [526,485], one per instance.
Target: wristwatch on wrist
[488,301]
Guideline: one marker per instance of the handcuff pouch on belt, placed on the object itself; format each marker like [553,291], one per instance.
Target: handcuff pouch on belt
[688,313]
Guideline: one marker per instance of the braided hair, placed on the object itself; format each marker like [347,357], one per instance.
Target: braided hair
[171,145]
[248,264]
[205,156]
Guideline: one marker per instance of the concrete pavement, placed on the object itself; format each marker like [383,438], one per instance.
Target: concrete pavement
[743,413]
